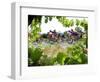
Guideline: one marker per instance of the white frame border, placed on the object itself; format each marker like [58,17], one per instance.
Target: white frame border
[16,31]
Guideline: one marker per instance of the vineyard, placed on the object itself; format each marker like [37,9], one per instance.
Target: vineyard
[66,45]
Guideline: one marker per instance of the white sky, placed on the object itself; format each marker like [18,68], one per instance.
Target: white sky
[54,25]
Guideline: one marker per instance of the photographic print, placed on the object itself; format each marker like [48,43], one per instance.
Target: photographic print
[52,41]
[57,40]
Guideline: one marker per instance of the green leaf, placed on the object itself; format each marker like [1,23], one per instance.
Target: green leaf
[84,24]
[36,54]
[77,22]
[61,58]
[71,22]
[79,60]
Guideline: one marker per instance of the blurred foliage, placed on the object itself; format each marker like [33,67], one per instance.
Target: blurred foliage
[77,54]
[33,34]
[61,58]
[34,55]
[47,60]
[77,22]
[65,21]
[74,54]
[84,24]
